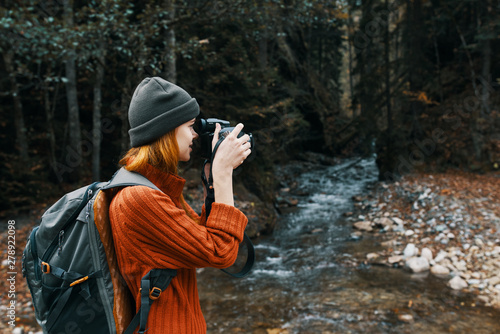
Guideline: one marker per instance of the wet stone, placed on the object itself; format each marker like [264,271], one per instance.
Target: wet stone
[417,264]
[457,283]
[440,270]
[405,317]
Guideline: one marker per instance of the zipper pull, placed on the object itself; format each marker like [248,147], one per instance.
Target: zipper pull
[89,205]
[61,240]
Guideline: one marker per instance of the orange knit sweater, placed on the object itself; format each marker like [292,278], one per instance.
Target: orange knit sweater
[151,230]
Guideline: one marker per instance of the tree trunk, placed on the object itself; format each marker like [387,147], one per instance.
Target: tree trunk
[438,60]
[486,74]
[414,57]
[170,57]
[73,155]
[263,64]
[388,79]
[21,138]
[49,116]
[486,14]
[350,30]
[125,100]
[96,116]
[388,75]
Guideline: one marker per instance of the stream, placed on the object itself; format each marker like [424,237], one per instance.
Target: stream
[308,278]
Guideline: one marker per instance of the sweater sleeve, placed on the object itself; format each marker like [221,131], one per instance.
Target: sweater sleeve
[147,221]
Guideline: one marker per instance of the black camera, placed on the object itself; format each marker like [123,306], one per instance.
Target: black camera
[206,128]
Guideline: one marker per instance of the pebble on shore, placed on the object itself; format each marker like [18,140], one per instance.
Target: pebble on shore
[442,223]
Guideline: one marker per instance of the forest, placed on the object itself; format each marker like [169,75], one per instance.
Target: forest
[413,81]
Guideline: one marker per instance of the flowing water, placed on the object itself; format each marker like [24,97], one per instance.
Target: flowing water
[308,279]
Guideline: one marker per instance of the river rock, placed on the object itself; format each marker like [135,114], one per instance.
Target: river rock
[409,233]
[385,223]
[389,243]
[405,317]
[427,253]
[460,265]
[410,250]
[398,221]
[395,259]
[457,283]
[363,226]
[479,242]
[439,270]
[495,280]
[441,256]
[417,264]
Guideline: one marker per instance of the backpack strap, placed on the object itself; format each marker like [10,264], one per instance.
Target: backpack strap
[156,280]
[82,282]
[152,285]
[124,178]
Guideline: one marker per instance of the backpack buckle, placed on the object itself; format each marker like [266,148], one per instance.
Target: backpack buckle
[154,293]
[45,268]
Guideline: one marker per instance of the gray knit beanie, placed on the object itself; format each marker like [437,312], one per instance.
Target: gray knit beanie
[157,107]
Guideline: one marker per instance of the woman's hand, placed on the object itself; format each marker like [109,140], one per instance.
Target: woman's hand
[231,153]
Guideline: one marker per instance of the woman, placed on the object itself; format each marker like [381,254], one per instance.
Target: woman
[158,229]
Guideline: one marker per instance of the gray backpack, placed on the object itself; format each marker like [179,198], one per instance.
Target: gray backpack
[71,268]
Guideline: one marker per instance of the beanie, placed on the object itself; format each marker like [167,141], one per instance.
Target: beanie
[158,107]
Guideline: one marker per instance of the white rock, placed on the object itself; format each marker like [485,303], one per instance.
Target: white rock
[461,265]
[390,243]
[474,281]
[476,275]
[363,226]
[398,221]
[484,299]
[405,317]
[456,283]
[386,222]
[18,330]
[441,256]
[479,242]
[417,264]
[450,236]
[494,280]
[439,270]
[409,233]
[427,253]
[371,256]
[473,249]
[425,240]
[410,250]
[395,259]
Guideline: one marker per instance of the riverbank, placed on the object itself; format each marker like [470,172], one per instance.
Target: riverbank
[445,225]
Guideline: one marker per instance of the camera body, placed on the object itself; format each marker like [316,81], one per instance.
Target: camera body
[206,129]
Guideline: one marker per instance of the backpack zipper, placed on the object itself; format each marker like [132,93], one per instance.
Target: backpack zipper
[61,240]
[89,206]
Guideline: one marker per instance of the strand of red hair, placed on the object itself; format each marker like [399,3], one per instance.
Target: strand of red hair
[162,154]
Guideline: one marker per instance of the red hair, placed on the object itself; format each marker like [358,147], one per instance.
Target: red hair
[162,154]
